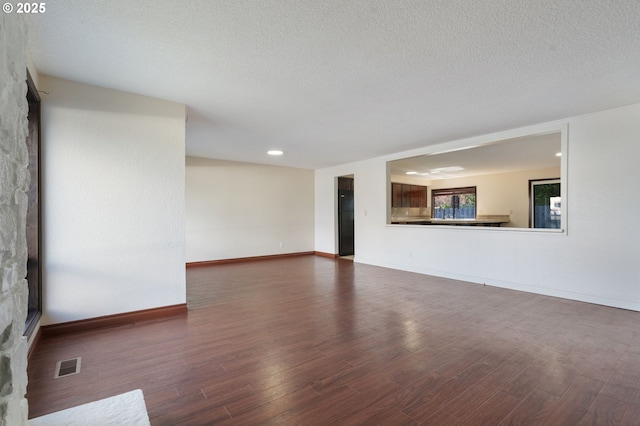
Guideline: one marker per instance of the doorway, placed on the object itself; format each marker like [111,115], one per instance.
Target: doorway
[346,229]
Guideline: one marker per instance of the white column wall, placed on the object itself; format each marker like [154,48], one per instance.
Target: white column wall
[113,192]
[595,261]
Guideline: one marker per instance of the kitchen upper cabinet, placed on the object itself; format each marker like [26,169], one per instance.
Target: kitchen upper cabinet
[396,195]
[405,195]
[418,196]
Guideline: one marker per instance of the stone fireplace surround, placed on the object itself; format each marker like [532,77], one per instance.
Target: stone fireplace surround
[14,182]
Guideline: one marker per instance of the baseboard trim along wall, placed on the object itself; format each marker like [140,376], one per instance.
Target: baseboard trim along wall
[248,259]
[112,320]
[329,255]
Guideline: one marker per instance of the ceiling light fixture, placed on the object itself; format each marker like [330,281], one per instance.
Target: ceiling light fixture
[275,152]
[447,169]
[453,150]
[411,173]
[558,154]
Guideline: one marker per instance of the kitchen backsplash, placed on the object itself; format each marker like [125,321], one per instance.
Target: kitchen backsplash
[411,212]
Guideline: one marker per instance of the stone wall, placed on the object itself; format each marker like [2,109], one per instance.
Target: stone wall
[14,181]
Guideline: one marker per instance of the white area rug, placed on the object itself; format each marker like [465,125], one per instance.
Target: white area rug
[127,409]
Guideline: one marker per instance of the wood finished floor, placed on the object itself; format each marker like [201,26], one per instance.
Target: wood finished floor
[315,341]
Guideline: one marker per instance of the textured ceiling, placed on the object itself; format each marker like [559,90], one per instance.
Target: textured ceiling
[335,81]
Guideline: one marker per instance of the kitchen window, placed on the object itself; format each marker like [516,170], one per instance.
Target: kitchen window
[454,203]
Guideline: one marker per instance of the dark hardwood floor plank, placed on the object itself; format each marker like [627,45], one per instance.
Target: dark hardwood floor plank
[631,416]
[375,416]
[605,360]
[605,411]
[442,393]
[315,341]
[534,408]
[493,410]
[475,396]
[623,387]
[316,409]
[574,406]
[271,408]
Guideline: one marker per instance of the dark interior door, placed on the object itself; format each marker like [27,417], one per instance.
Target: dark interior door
[345,217]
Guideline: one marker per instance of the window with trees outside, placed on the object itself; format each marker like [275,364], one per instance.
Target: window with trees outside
[454,203]
[546,203]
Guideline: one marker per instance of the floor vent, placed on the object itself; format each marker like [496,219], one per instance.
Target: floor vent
[67,367]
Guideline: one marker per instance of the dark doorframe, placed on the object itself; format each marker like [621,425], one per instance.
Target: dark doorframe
[346,228]
[34,220]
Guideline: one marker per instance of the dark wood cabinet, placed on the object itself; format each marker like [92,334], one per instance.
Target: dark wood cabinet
[405,195]
[418,196]
[396,194]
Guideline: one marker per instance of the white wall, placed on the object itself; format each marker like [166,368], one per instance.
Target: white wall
[113,192]
[237,210]
[594,261]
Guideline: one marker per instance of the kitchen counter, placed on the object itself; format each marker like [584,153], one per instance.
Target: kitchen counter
[467,222]
[496,221]
[414,220]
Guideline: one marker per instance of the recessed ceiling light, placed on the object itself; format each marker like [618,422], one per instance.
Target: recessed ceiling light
[558,154]
[275,152]
[447,169]
[411,173]
[454,150]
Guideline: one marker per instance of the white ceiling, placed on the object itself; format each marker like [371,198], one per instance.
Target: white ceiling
[335,81]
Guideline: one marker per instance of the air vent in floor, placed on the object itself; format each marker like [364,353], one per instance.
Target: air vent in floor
[67,367]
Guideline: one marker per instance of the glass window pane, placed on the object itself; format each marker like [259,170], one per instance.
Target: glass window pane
[455,203]
[546,204]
